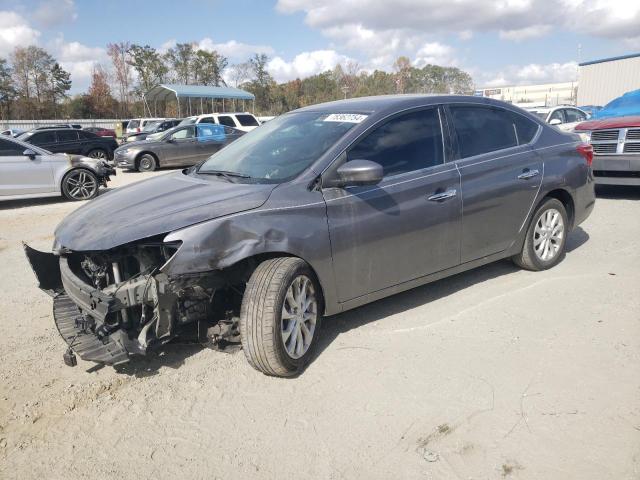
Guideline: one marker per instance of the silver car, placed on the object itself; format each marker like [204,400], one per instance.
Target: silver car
[27,171]
[181,146]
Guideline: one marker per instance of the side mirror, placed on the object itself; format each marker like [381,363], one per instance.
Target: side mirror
[169,140]
[357,172]
[555,121]
[29,153]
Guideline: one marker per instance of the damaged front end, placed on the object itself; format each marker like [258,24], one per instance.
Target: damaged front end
[109,305]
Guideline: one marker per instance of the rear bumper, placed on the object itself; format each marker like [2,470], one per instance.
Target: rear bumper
[617,169]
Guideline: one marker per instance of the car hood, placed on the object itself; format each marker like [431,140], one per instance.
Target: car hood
[618,122]
[153,207]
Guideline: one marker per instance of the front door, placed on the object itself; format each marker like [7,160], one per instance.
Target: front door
[500,173]
[408,225]
[20,175]
[68,141]
[182,148]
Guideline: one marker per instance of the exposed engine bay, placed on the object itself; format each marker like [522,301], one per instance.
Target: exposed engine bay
[111,304]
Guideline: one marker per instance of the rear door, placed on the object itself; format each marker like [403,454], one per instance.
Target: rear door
[20,175]
[408,225]
[212,137]
[500,175]
[68,141]
[183,148]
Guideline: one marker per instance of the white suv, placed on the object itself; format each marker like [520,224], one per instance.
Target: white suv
[563,117]
[136,125]
[244,121]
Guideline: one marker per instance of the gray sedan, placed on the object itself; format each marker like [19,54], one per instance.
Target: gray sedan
[27,171]
[179,147]
[316,212]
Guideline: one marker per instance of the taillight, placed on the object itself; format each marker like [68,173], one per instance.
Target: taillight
[586,150]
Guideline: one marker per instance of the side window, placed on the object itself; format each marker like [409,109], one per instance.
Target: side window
[247,120]
[67,135]
[207,120]
[410,142]
[42,138]
[482,129]
[87,135]
[226,120]
[10,149]
[557,115]
[525,128]
[573,115]
[208,132]
[184,133]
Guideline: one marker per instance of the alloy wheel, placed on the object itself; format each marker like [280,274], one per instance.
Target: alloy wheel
[548,235]
[81,185]
[100,154]
[299,316]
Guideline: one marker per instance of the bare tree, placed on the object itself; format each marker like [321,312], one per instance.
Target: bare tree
[119,54]
[240,73]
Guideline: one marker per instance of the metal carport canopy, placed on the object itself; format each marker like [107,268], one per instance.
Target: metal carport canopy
[165,90]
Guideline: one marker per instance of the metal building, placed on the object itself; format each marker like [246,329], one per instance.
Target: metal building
[600,81]
[542,95]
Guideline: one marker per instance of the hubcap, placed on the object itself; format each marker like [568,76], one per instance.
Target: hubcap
[548,235]
[145,163]
[81,185]
[97,154]
[299,315]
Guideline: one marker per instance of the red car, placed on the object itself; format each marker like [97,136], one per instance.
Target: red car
[101,132]
[616,149]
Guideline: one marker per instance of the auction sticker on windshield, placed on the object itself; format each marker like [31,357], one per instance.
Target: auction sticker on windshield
[345,117]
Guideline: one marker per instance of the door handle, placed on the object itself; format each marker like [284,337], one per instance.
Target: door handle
[439,197]
[526,175]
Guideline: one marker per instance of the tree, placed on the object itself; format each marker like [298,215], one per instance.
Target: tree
[402,67]
[262,81]
[208,68]
[180,60]
[99,98]
[240,73]
[60,81]
[149,66]
[7,91]
[119,55]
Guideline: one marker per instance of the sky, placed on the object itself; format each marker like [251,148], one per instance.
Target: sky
[501,42]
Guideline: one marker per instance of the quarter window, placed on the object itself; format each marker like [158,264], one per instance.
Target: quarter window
[247,120]
[226,120]
[483,129]
[406,143]
[525,128]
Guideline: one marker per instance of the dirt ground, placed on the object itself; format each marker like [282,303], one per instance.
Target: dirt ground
[495,373]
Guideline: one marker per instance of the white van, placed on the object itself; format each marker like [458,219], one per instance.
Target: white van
[136,125]
[244,121]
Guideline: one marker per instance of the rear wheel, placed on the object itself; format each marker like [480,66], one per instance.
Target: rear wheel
[544,245]
[98,153]
[80,184]
[147,163]
[280,316]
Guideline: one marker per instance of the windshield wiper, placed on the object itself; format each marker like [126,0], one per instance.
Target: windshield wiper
[225,174]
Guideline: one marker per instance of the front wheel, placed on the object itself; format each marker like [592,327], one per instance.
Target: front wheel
[147,163]
[280,316]
[80,184]
[544,245]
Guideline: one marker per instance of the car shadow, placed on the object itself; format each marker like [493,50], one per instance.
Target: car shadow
[31,202]
[173,355]
[618,192]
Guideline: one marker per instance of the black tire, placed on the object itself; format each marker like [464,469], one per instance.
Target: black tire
[98,153]
[147,163]
[528,258]
[80,184]
[261,322]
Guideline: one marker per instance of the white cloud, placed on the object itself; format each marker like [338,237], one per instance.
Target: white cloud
[532,73]
[305,64]
[78,59]
[236,51]
[524,33]
[15,31]
[435,53]
[50,13]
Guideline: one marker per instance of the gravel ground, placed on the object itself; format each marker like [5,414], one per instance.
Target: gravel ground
[494,373]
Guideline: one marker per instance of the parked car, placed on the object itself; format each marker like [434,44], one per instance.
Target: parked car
[318,211]
[177,147]
[59,125]
[564,117]
[616,149]
[71,140]
[244,121]
[101,132]
[12,132]
[136,125]
[27,171]
[150,128]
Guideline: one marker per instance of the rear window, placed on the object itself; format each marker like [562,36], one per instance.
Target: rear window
[247,120]
[226,120]
[67,135]
[483,129]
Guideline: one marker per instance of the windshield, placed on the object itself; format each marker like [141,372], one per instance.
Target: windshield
[188,121]
[133,124]
[283,148]
[151,126]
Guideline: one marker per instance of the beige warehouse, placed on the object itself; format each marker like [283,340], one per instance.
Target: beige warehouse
[600,81]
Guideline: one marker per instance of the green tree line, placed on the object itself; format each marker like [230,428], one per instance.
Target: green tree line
[33,85]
